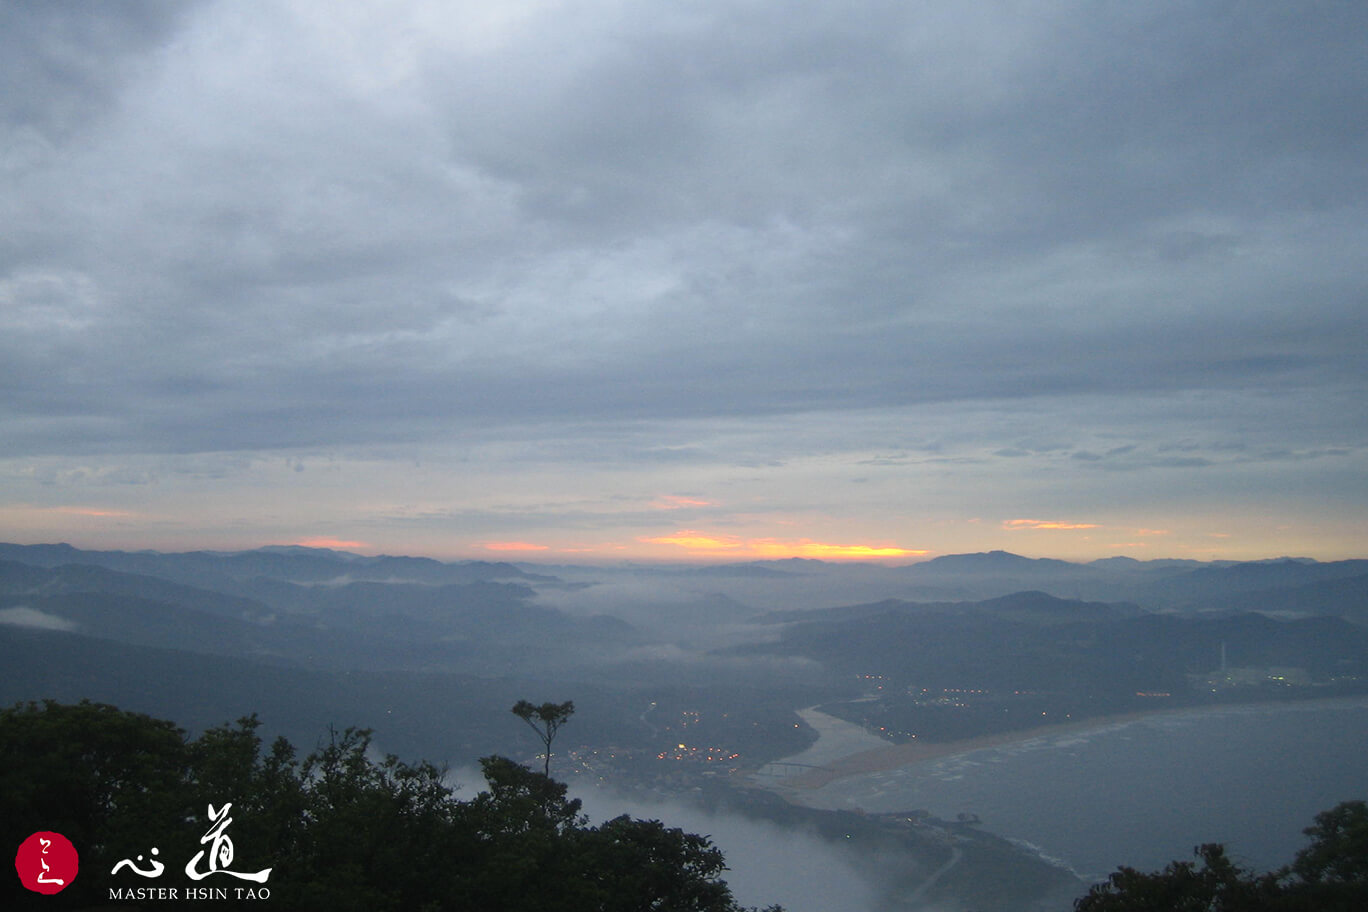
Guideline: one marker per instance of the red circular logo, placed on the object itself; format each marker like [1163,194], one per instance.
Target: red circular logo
[46,862]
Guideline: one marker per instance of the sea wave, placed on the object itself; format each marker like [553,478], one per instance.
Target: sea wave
[1053,860]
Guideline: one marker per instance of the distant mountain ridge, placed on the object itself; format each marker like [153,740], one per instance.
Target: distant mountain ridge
[293,562]
[478,624]
[1034,641]
[1160,584]
[952,647]
[1155,584]
[1031,606]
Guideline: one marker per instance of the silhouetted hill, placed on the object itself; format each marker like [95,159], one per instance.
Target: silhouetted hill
[1198,588]
[993,562]
[1029,607]
[1346,597]
[997,573]
[477,626]
[1043,608]
[443,716]
[1032,641]
[1155,584]
[216,570]
[25,580]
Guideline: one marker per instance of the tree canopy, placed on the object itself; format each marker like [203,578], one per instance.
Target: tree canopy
[339,829]
[545,720]
[1329,875]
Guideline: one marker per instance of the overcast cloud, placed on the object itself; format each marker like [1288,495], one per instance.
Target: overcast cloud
[430,276]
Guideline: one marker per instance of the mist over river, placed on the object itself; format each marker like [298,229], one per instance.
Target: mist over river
[766,863]
[1143,792]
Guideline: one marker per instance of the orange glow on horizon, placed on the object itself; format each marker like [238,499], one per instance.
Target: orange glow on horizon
[806,547]
[514,546]
[696,541]
[324,541]
[775,549]
[91,511]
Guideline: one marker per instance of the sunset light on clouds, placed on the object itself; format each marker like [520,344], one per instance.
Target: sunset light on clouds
[775,549]
[1044,525]
[697,541]
[677,502]
[769,548]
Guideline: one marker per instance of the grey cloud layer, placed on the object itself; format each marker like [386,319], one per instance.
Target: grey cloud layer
[231,229]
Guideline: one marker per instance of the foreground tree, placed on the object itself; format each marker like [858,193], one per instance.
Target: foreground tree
[545,720]
[647,860]
[1338,853]
[1332,872]
[340,830]
[1216,885]
[1329,875]
[103,778]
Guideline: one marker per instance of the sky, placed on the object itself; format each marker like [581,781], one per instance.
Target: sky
[604,281]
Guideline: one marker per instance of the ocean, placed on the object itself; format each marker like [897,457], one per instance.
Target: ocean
[1144,792]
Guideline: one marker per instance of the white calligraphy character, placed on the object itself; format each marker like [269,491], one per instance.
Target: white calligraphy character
[46,870]
[154,871]
[221,852]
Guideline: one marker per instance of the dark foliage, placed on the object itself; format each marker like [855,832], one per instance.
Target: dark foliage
[1329,875]
[339,830]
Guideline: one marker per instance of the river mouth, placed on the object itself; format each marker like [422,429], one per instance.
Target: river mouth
[1136,790]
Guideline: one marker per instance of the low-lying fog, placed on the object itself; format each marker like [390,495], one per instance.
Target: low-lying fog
[766,864]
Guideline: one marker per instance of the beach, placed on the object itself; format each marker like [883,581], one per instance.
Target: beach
[844,749]
[1137,788]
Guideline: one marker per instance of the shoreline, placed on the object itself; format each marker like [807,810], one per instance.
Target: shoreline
[897,756]
[894,780]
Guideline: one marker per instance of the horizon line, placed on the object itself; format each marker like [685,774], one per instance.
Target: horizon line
[543,558]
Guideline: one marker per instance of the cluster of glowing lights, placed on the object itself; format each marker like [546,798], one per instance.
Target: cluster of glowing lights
[701,754]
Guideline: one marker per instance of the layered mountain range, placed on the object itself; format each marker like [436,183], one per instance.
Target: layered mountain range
[429,651]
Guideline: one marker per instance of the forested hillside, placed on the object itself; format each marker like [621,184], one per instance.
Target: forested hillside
[338,829]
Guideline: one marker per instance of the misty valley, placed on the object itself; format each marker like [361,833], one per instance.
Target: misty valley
[799,704]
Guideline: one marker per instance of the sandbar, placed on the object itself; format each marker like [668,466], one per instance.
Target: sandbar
[895,756]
